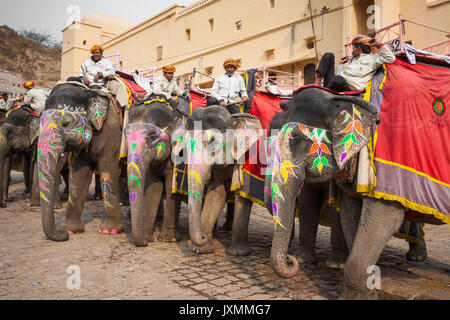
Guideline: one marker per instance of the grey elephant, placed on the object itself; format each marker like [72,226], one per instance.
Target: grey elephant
[85,122]
[18,135]
[314,144]
[152,129]
[212,155]
[312,205]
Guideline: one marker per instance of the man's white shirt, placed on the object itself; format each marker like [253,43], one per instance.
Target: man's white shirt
[36,98]
[229,89]
[91,68]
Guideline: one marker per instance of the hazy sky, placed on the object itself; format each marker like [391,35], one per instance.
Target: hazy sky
[52,15]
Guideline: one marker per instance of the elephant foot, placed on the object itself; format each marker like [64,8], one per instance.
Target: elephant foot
[3,205]
[9,199]
[169,235]
[33,203]
[207,248]
[336,261]
[358,295]
[26,194]
[228,225]
[331,264]
[239,249]
[72,227]
[110,228]
[94,197]
[108,231]
[307,257]
[417,252]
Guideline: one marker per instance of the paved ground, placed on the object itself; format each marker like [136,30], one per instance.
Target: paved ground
[111,267]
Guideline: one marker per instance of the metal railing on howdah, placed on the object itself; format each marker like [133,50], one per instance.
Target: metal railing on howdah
[393,36]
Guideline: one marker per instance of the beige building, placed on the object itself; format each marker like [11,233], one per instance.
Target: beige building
[275,34]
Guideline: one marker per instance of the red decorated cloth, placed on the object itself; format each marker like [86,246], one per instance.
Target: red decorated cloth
[197,100]
[412,151]
[133,87]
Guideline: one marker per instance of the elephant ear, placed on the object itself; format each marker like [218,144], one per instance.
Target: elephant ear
[246,132]
[97,111]
[351,130]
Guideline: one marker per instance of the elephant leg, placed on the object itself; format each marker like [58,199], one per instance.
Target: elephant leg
[34,201]
[7,180]
[379,221]
[350,213]
[309,203]
[215,200]
[239,240]
[80,177]
[109,182]
[27,173]
[170,231]
[228,224]
[417,252]
[339,252]
[152,202]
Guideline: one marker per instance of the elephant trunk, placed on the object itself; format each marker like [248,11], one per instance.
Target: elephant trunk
[137,165]
[4,149]
[197,178]
[49,151]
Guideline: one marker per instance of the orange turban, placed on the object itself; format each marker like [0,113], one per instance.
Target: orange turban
[97,47]
[169,69]
[28,84]
[231,62]
[363,39]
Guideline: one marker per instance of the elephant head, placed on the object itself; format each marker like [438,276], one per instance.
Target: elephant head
[149,137]
[71,116]
[323,132]
[215,139]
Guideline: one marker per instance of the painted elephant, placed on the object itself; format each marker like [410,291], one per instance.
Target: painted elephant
[150,132]
[85,122]
[216,140]
[312,205]
[322,133]
[18,135]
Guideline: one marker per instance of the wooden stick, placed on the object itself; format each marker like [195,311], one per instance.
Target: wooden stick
[231,103]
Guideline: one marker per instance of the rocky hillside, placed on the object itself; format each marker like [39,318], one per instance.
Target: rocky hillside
[28,59]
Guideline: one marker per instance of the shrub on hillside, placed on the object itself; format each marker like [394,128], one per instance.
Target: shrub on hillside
[42,37]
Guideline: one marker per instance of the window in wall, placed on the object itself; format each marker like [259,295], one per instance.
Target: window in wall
[309,73]
[211,24]
[84,42]
[159,53]
[272,3]
[310,42]
[188,34]
[270,54]
[239,25]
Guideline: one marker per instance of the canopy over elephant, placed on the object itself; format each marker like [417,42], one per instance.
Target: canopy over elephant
[85,122]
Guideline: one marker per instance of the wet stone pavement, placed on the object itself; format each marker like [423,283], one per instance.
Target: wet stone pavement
[111,267]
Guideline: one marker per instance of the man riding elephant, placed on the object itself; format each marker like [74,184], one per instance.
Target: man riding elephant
[229,88]
[167,86]
[96,69]
[357,74]
[35,97]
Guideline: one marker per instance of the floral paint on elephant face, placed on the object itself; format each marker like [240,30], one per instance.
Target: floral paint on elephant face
[351,131]
[279,170]
[57,128]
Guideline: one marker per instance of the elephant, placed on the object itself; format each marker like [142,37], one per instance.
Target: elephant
[150,133]
[323,132]
[312,204]
[85,122]
[212,155]
[18,135]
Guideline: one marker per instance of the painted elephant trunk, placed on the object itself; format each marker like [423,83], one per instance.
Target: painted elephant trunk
[48,154]
[136,170]
[197,178]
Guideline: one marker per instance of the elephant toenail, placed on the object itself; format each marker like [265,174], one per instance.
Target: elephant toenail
[114,231]
[69,232]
